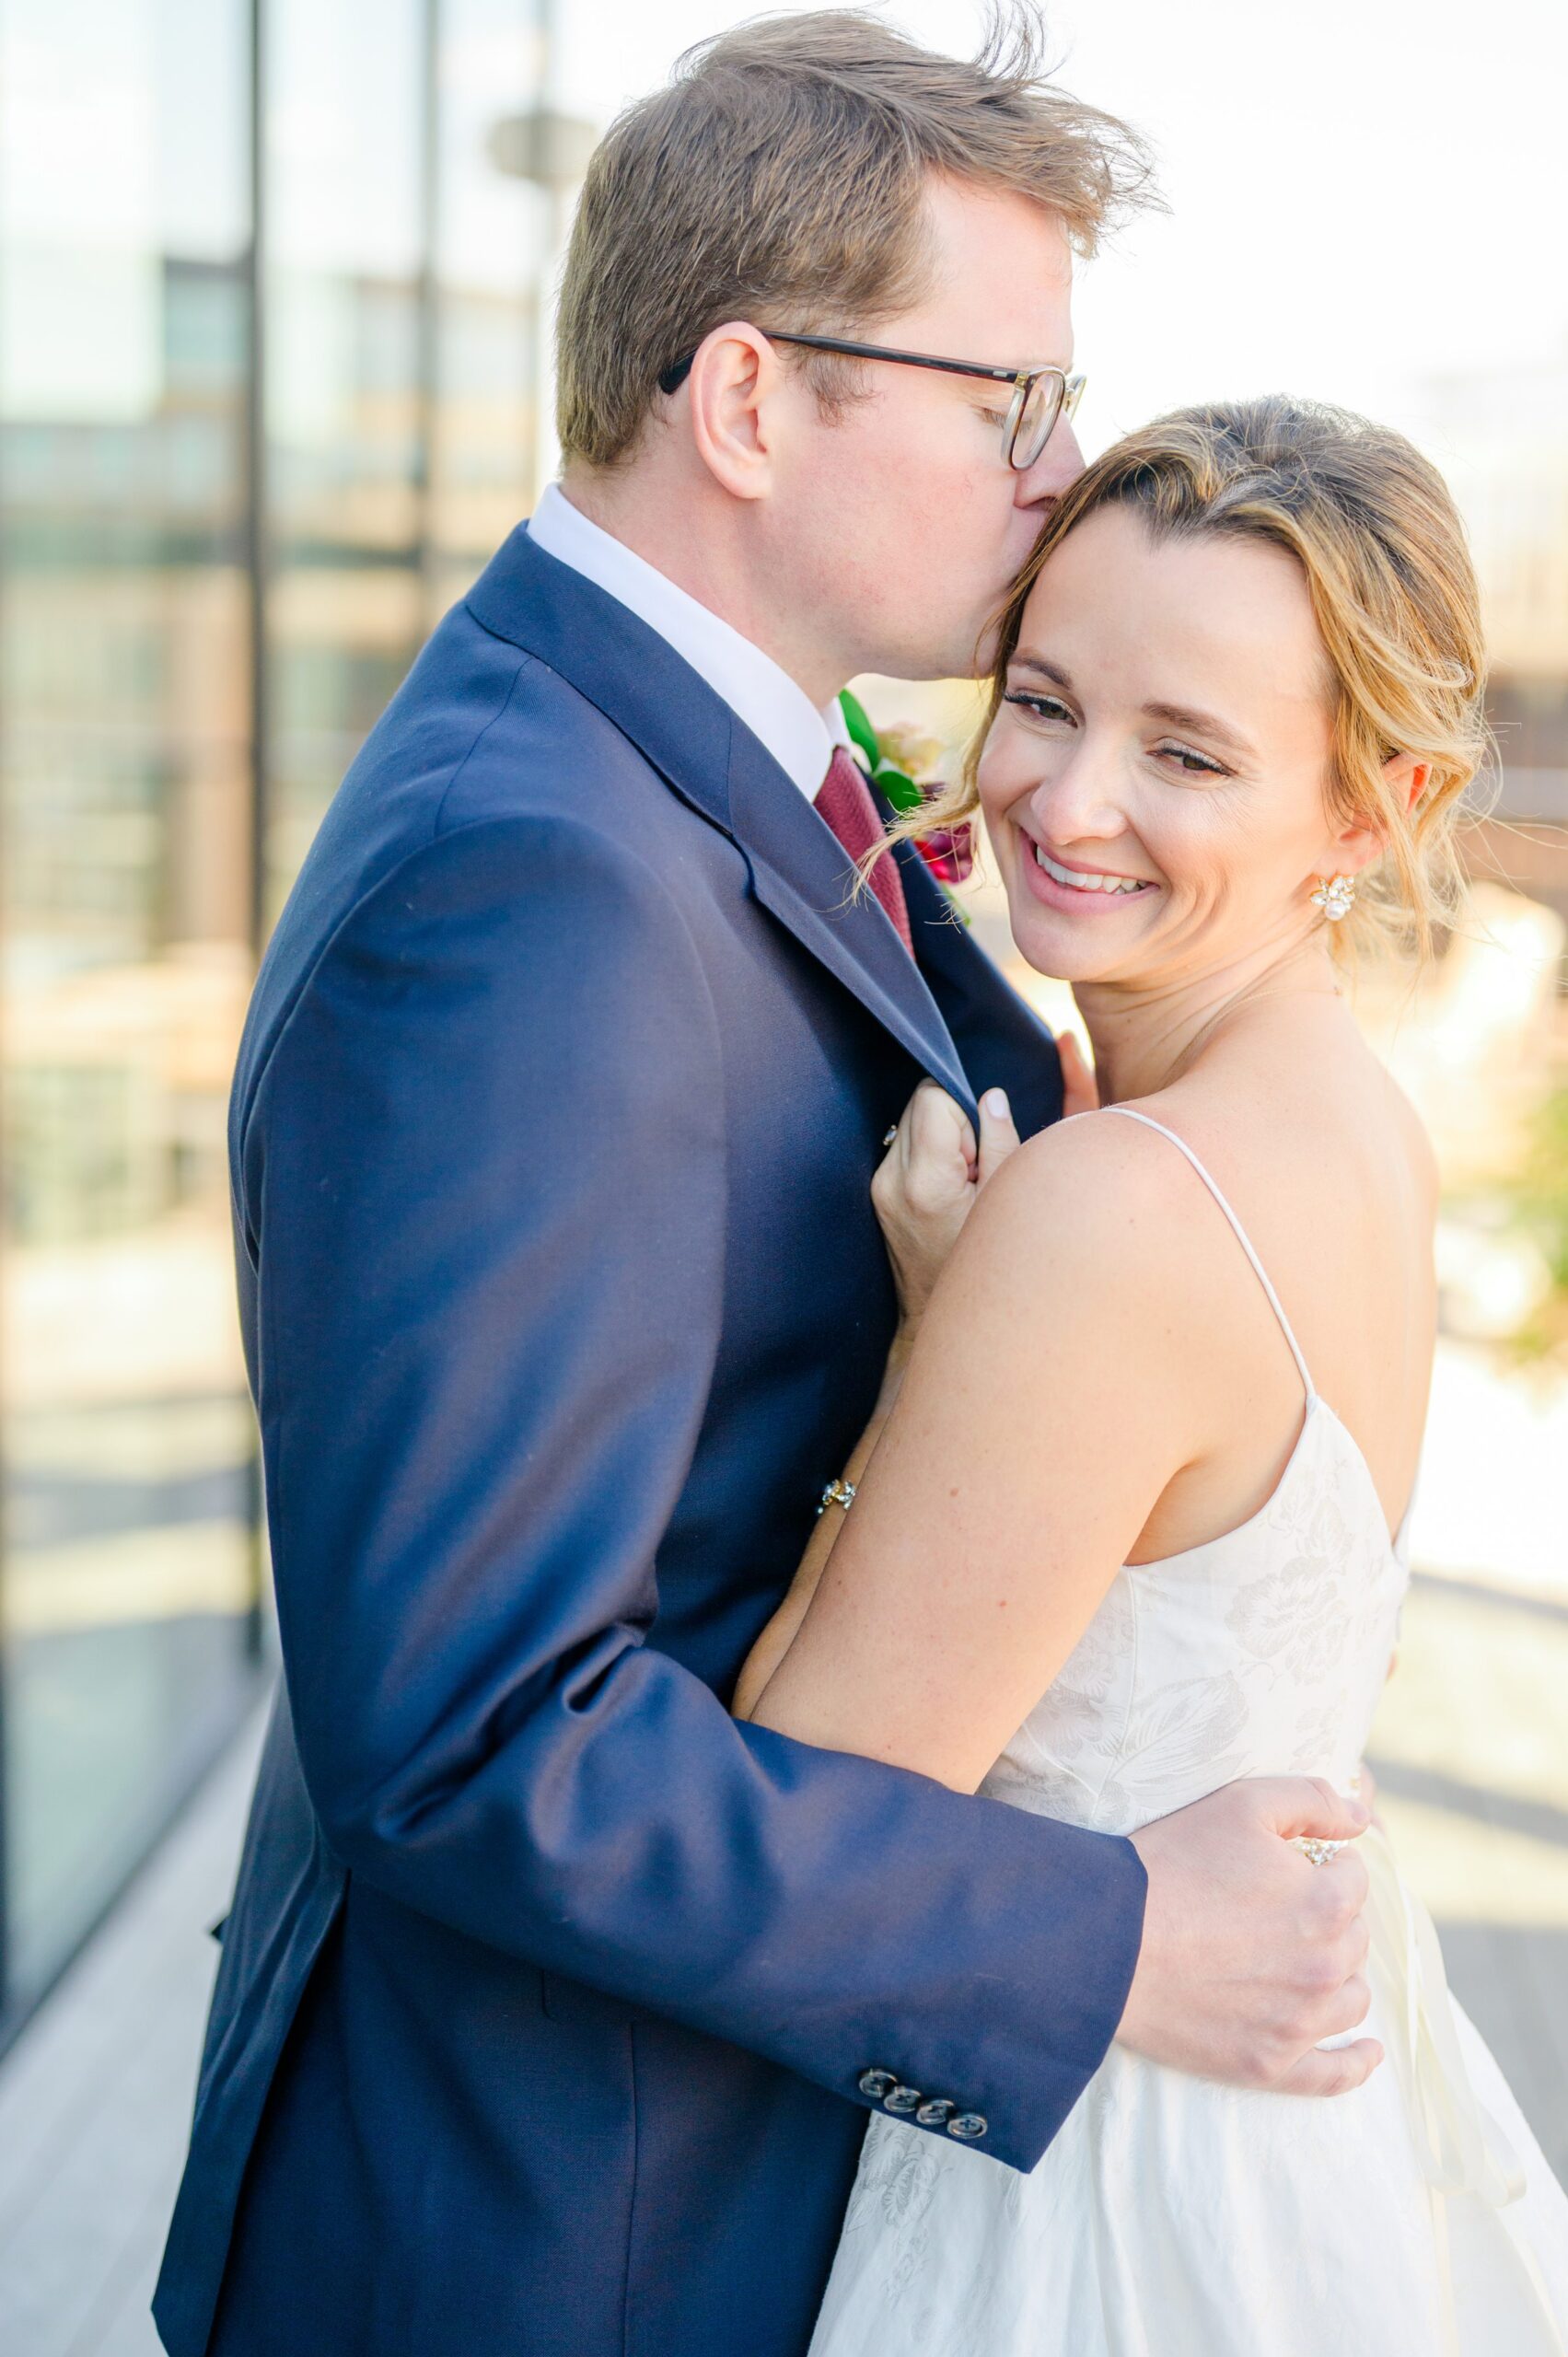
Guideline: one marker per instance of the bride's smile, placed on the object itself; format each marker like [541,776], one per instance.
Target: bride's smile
[1073,885]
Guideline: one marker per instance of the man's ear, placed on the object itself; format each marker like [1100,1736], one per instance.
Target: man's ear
[733,378]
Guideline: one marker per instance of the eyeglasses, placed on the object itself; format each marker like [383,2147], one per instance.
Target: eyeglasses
[1040,396]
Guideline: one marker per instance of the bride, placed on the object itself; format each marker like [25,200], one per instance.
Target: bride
[1146,1444]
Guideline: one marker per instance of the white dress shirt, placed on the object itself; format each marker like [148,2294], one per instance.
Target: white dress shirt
[778,713]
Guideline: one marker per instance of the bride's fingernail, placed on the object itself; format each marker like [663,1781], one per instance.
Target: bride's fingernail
[995,1102]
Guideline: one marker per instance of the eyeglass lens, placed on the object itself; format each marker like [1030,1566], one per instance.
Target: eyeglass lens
[1048,396]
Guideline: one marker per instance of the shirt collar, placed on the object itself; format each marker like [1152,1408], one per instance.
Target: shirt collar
[781,714]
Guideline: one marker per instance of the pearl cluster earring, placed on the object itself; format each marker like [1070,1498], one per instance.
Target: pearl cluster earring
[1336,898]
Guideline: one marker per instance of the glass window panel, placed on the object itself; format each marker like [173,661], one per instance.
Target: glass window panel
[493,243]
[344,413]
[128,1580]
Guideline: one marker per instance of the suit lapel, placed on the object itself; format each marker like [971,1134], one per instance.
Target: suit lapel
[999,1038]
[802,875]
[799,871]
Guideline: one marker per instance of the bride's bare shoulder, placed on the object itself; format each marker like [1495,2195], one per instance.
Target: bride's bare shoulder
[1101,1146]
[1093,1188]
[1294,1109]
[1087,1262]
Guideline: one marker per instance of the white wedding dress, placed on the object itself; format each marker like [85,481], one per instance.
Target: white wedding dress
[1171,2216]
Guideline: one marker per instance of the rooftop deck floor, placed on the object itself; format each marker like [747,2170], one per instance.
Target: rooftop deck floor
[95,2097]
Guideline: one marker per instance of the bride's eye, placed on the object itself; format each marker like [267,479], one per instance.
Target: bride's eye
[1045,707]
[1196,764]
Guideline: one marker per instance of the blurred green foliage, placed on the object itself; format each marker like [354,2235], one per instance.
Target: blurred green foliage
[1539,1207]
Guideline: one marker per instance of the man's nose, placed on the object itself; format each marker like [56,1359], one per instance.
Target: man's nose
[1059,463]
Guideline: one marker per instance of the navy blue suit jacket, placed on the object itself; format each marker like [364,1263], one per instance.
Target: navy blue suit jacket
[548,1988]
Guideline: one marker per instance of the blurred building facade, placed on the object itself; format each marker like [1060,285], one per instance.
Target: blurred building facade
[1500,436]
[270,333]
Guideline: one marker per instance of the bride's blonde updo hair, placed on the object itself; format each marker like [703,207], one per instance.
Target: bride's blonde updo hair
[1377,535]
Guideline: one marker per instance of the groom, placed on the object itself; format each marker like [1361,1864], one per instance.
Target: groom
[552,2001]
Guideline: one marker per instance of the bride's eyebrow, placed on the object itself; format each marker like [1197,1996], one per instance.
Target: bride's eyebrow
[1037,663]
[1203,723]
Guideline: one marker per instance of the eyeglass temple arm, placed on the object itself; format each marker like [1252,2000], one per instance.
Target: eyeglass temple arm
[670,379]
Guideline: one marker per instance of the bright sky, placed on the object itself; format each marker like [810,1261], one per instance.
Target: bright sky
[1364,195]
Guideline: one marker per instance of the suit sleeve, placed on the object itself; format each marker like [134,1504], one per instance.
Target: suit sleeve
[484,1175]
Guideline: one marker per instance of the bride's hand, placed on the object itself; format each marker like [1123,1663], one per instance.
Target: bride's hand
[927,1181]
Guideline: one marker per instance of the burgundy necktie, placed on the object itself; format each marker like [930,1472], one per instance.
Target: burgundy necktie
[844,801]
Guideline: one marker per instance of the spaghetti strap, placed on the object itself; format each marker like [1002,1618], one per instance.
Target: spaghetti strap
[1241,1236]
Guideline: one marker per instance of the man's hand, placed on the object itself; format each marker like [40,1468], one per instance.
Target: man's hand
[1250,1953]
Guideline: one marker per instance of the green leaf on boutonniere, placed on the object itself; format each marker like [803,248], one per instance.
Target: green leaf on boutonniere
[947,853]
[900,791]
[857,722]
[899,788]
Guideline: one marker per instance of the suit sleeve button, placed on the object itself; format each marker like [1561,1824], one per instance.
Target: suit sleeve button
[903,2099]
[970,2127]
[935,2114]
[876,2084]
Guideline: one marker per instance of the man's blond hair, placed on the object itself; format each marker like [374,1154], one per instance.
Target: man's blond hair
[779,178]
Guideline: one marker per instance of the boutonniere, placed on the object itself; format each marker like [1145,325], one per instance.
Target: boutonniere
[894,761]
